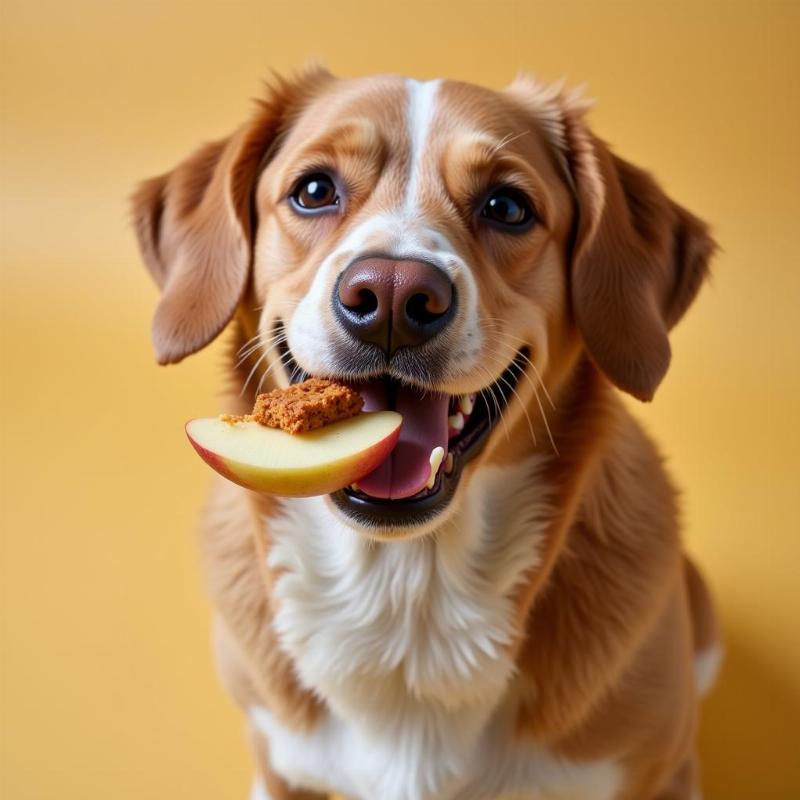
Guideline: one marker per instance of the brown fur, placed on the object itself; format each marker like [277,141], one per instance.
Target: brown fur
[254,668]
[611,619]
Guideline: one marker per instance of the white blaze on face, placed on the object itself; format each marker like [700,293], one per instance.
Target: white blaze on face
[421,110]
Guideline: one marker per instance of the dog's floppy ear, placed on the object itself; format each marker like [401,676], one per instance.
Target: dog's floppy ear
[638,260]
[194,231]
[195,226]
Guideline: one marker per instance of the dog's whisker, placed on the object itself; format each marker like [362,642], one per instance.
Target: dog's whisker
[253,344]
[283,360]
[249,343]
[522,356]
[252,372]
[541,382]
[546,423]
[250,350]
[296,372]
[489,414]
[265,374]
[490,389]
[538,377]
[511,337]
[507,139]
[255,366]
[522,404]
[270,368]
[524,410]
[538,401]
[543,414]
[530,380]
[271,341]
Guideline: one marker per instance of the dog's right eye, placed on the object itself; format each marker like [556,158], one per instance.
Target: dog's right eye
[315,193]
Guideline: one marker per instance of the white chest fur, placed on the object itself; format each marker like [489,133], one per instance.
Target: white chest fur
[406,642]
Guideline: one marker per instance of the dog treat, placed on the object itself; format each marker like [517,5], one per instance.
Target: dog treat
[306,406]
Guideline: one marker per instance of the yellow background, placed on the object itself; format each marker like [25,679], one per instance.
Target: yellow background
[107,685]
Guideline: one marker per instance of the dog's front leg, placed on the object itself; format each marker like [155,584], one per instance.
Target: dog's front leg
[268,785]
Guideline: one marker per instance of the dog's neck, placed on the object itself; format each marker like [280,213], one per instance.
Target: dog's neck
[433,614]
[410,643]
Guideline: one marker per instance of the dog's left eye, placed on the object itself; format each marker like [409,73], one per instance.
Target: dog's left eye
[508,208]
[315,193]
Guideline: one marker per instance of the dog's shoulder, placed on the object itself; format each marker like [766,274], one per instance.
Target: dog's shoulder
[613,598]
[252,665]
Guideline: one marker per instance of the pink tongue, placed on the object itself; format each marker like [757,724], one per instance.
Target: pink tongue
[407,468]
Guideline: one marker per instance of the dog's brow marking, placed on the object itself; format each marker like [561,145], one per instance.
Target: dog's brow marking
[421,106]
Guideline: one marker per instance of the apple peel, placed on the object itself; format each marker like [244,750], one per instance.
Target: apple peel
[296,465]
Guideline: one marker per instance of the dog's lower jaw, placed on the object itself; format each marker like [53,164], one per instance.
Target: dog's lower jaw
[387,533]
[428,525]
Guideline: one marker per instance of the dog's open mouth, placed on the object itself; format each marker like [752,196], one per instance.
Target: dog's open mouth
[439,435]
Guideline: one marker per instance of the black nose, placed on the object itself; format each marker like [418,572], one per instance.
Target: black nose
[393,303]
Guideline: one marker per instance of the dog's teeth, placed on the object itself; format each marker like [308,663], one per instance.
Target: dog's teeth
[449,463]
[354,487]
[437,455]
[456,422]
[466,402]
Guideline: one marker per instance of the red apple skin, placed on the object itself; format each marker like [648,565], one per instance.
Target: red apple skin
[305,481]
[215,461]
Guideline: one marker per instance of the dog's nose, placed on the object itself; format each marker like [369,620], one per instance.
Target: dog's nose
[393,303]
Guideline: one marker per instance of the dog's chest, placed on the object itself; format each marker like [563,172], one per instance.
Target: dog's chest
[338,757]
[407,642]
[429,618]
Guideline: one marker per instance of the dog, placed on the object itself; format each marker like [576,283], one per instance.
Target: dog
[525,624]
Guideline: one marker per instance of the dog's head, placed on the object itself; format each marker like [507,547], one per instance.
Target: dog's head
[451,250]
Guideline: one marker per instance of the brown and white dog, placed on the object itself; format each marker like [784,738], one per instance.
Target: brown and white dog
[529,626]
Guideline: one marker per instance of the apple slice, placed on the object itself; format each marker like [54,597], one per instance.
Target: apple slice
[296,465]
